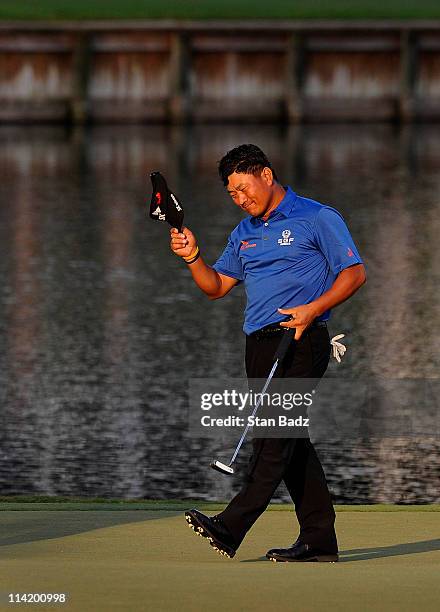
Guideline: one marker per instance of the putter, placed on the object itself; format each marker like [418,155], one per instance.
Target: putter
[164,205]
[279,356]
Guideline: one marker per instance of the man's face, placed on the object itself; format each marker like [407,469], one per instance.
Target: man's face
[252,193]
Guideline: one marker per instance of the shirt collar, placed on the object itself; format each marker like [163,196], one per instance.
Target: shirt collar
[284,208]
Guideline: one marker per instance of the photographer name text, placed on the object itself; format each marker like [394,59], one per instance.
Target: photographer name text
[254,421]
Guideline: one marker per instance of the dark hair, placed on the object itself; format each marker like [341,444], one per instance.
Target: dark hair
[246,159]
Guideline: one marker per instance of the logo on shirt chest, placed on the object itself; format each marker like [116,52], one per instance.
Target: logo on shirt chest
[247,245]
[286,239]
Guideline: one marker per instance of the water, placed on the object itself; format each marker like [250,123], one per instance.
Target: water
[101,327]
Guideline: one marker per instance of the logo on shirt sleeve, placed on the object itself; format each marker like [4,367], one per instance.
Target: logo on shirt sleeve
[286,239]
[350,252]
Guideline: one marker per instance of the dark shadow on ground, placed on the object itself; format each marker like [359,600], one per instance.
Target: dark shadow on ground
[409,548]
[254,560]
[21,527]
[362,554]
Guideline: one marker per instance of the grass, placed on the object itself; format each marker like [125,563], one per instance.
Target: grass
[117,561]
[218,9]
[45,502]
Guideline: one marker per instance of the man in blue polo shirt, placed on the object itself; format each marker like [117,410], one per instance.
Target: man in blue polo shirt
[297,260]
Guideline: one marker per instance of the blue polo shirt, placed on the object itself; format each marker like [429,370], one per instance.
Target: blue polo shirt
[290,259]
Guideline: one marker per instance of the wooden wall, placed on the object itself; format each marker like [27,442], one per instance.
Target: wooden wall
[166,71]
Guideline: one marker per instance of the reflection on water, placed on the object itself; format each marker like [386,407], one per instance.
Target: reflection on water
[101,327]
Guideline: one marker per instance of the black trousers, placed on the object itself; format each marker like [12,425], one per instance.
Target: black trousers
[293,461]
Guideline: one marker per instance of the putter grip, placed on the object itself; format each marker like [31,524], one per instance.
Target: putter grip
[288,337]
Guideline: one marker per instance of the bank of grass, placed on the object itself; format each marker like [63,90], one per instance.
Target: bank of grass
[218,9]
[42,502]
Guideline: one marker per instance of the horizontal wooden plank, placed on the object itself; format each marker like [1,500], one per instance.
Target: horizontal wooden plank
[242,109]
[137,42]
[429,42]
[228,42]
[18,111]
[350,109]
[54,42]
[250,25]
[371,43]
[130,47]
[128,111]
[428,109]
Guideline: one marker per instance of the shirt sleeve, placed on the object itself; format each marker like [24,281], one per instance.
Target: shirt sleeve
[334,240]
[229,263]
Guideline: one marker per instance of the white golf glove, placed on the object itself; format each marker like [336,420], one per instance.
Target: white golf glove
[338,348]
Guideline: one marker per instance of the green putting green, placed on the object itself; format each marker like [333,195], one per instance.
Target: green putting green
[150,560]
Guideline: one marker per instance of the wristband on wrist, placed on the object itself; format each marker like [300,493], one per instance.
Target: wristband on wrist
[193,257]
[193,254]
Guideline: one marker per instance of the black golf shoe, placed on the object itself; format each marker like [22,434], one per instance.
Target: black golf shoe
[212,528]
[300,552]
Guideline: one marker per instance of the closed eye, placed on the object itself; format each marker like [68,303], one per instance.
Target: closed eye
[240,187]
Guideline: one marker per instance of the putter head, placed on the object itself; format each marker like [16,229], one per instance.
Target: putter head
[164,205]
[222,467]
